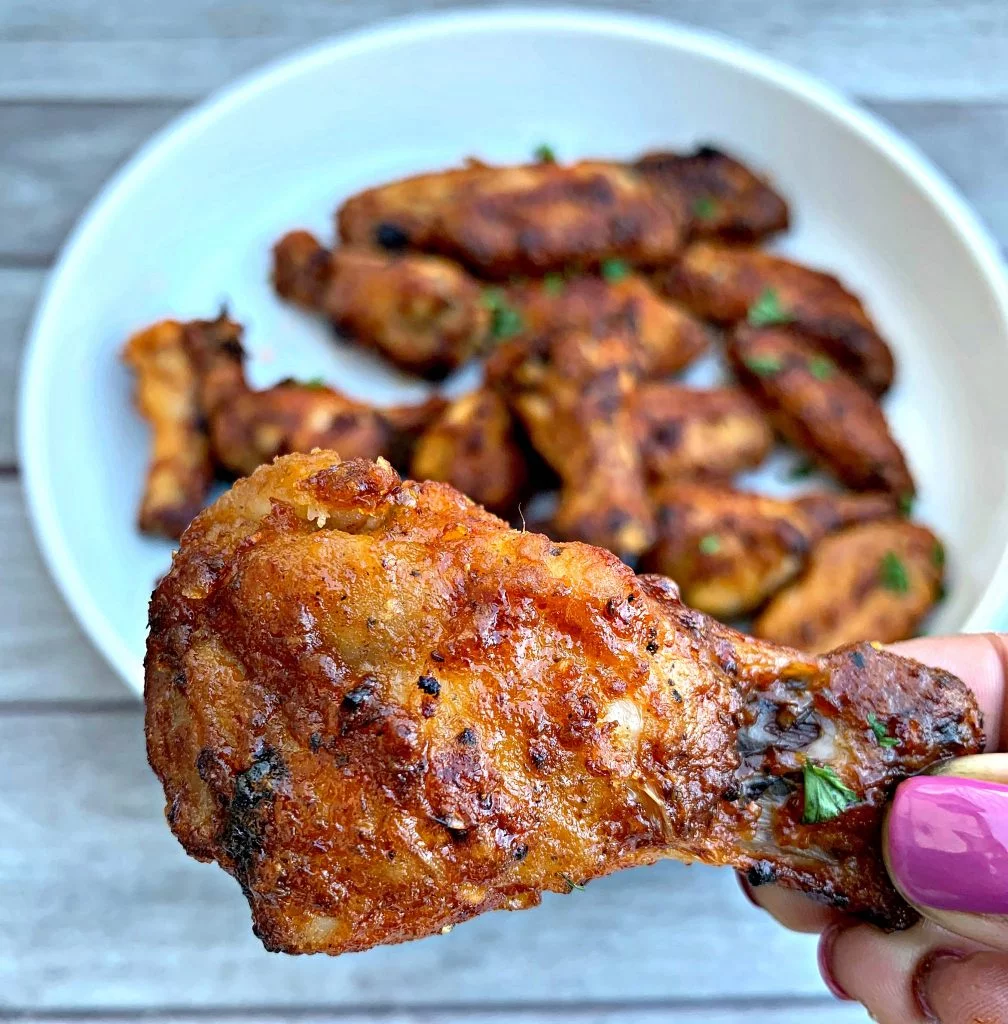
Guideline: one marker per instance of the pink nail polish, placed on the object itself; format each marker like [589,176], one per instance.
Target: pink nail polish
[948,843]
[922,976]
[824,956]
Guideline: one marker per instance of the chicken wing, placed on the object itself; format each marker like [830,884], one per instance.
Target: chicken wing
[423,313]
[668,338]
[694,432]
[820,408]
[384,713]
[473,447]
[529,219]
[875,581]
[725,199]
[167,396]
[574,394]
[732,283]
[248,427]
[729,551]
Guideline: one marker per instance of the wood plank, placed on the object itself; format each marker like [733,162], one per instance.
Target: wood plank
[824,1012]
[100,909]
[19,291]
[118,49]
[44,655]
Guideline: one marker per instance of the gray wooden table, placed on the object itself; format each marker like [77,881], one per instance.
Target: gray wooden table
[102,917]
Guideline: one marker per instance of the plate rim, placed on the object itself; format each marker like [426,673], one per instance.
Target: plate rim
[992,605]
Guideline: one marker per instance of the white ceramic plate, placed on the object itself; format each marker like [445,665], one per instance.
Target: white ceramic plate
[189,223]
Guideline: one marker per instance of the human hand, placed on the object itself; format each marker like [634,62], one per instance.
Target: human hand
[946,847]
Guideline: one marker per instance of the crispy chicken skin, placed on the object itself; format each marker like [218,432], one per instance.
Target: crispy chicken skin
[693,432]
[729,551]
[472,445]
[527,219]
[384,712]
[724,283]
[668,338]
[819,408]
[423,313]
[875,581]
[167,397]
[573,393]
[725,199]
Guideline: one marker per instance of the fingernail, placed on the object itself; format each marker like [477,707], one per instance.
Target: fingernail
[743,884]
[825,957]
[925,974]
[948,844]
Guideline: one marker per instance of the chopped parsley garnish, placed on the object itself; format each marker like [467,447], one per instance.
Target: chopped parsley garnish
[710,544]
[882,733]
[892,573]
[553,284]
[826,796]
[505,321]
[906,504]
[571,884]
[615,270]
[314,382]
[767,310]
[800,470]
[938,555]
[705,208]
[820,367]
[545,154]
[764,366]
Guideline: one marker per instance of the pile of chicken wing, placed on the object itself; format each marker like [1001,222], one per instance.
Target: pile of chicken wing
[586,289]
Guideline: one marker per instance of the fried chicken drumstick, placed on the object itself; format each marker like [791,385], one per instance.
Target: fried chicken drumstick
[385,712]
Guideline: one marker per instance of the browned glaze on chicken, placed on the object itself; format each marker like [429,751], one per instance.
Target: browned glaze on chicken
[473,446]
[725,198]
[732,283]
[729,550]
[180,468]
[875,581]
[573,392]
[668,338]
[384,712]
[694,432]
[249,427]
[423,313]
[526,219]
[819,408]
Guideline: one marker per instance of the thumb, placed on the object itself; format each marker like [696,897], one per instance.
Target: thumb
[946,846]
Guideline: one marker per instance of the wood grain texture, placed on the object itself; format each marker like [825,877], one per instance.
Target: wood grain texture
[100,908]
[43,654]
[19,291]
[120,49]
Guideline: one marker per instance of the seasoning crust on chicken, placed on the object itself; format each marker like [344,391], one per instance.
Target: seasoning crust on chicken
[384,712]
[729,284]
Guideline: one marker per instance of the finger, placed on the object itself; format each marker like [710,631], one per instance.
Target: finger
[980,661]
[789,908]
[945,843]
[890,973]
[967,990]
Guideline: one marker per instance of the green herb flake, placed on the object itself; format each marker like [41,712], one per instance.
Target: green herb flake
[906,504]
[892,573]
[820,367]
[764,366]
[705,208]
[801,470]
[545,154]
[554,284]
[315,383]
[767,310]
[938,555]
[826,796]
[505,321]
[615,270]
[882,733]
[710,544]
[571,884]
